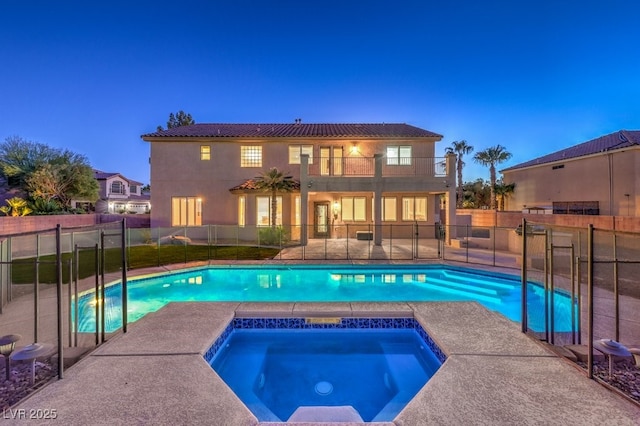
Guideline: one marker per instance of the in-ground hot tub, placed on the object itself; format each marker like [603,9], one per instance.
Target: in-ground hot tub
[350,369]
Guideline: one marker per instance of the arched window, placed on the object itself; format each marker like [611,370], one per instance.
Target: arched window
[117,187]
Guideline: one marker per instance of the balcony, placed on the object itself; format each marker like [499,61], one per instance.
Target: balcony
[366,167]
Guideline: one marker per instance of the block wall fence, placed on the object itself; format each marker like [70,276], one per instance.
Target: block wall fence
[509,219]
[25,224]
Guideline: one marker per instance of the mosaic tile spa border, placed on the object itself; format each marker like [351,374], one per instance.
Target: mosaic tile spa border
[323,323]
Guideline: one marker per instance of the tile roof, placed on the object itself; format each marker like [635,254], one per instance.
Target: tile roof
[99,174]
[318,130]
[613,141]
[250,184]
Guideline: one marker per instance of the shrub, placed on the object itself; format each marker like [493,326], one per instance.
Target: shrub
[273,236]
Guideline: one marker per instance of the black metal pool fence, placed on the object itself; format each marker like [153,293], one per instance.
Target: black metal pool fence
[41,274]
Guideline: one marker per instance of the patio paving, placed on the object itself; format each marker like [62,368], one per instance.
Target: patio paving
[494,374]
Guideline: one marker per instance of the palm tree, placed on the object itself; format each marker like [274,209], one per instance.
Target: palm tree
[274,181]
[459,148]
[490,157]
[503,191]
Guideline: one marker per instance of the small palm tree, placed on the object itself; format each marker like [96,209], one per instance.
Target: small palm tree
[490,157]
[459,148]
[275,181]
[503,191]
[16,206]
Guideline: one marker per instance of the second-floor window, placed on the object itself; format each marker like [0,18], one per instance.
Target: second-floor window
[133,189]
[295,151]
[205,152]
[117,187]
[399,155]
[251,156]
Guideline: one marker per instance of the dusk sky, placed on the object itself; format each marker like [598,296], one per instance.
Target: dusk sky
[532,75]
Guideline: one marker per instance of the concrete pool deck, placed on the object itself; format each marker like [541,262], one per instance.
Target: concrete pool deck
[494,374]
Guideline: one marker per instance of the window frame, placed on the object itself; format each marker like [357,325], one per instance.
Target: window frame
[205,152]
[279,210]
[251,156]
[185,215]
[242,211]
[410,216]
[385,211]
[120,184]
[351,208]
[302,149]
[397,159]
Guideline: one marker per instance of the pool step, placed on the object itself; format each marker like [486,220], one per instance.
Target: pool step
[459,292]
[468,278]
[464,286]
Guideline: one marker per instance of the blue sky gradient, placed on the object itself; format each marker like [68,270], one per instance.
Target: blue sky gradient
[533,76]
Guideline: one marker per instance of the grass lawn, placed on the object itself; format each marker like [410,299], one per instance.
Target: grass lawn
[23,270]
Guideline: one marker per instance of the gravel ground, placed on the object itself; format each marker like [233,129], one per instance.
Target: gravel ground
[626,378]
[18,387]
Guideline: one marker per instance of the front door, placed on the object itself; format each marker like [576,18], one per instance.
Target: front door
[321,220]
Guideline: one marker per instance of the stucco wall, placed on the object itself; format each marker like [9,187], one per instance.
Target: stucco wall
[605,177]
[177,171]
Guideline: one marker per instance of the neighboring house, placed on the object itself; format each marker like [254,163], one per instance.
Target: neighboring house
[358,174]
[119,194]
[601,176]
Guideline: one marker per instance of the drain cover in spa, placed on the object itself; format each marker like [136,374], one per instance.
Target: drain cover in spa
[324,388]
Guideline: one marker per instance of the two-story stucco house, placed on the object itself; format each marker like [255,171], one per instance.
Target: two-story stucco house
[375,174]
[600,176]
[119,194]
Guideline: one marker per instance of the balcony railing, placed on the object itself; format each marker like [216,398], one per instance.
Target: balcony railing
[416,166]
[365,166]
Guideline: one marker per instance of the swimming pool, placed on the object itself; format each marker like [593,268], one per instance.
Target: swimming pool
[325,283]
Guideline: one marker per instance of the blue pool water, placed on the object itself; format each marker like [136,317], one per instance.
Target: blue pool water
[326,283]
[375,371]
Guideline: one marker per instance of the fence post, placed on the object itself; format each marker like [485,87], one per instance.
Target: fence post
[36,293]
[590,300]
[76,274]
[69,314]
[495,229]
[616,294]
[59,297]
[523,275]
[124,274]
[102,298]
[97,291]
[579,290]
[467,244]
